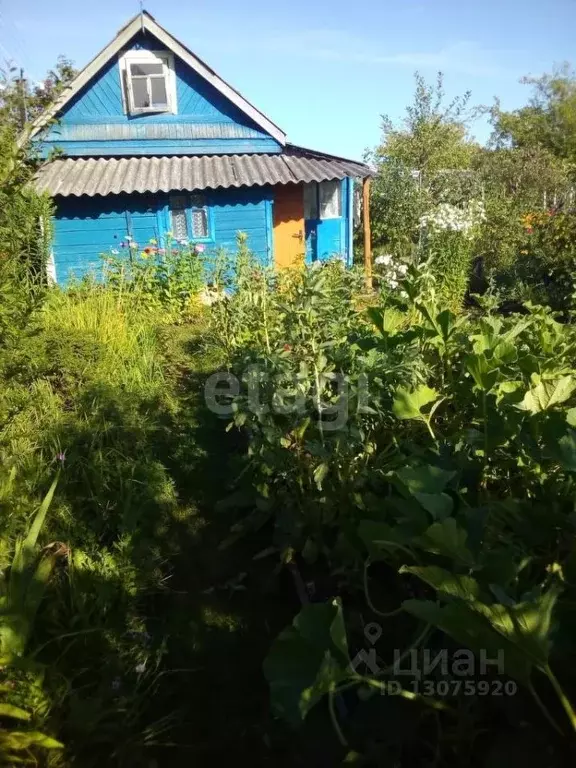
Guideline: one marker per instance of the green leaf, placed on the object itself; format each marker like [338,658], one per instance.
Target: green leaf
[466,626]
[448,539]
[380,536]
[426,483]
[426,478]
[438,505]
[450,584]
[386,320]
[408,404]
[27,739]
[481,371]
[319,474]
[307,659]
[7,710]
[505,352]
[526,624]
[547,394]
[562,449]
[571,417]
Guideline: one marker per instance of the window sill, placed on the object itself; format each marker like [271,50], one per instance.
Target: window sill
[151,111]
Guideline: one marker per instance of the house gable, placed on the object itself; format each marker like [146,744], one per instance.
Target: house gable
[93,118]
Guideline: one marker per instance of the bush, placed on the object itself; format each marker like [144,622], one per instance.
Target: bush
[419,464]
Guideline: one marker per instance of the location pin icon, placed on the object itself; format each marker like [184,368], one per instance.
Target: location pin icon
[373,632]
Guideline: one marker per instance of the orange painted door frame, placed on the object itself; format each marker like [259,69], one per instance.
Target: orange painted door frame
[289,237]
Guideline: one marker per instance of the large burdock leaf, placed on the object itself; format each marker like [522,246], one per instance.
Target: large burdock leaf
[449,584]
[547,394]
[484,374]
[464,625]
[448,539]
[307,659]
[426,483]
[526,624]
[518,634]
[408,404]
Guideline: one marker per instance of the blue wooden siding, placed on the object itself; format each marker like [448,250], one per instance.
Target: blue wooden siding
[85,228]
[94,121]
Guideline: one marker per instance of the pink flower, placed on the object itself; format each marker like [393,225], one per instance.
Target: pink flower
[199,248]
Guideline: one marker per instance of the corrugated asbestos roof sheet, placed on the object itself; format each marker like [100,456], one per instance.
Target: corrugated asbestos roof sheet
[111,176]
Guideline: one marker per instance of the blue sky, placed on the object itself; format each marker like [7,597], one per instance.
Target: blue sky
[324,71]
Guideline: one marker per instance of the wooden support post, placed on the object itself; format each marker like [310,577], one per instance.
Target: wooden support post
[367,234]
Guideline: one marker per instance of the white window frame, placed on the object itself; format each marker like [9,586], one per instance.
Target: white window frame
[148,57]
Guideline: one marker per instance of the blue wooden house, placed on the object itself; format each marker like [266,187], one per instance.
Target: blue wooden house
[151,140]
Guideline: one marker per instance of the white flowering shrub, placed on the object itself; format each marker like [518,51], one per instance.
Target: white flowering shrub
[449,233]
[390,271]
[465,219]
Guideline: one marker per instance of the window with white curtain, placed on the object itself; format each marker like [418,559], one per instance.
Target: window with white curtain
[190,217]
[323,200]
[179,218]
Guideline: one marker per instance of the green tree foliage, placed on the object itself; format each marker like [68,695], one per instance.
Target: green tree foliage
[24,215]
[22,101]
[433,135]
[547,122]
[412,162]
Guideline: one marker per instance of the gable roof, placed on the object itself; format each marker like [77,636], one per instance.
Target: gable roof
[144,21]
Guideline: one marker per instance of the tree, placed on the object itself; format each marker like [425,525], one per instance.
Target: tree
[434,135]
[547,122]
[21,101]
[415,164]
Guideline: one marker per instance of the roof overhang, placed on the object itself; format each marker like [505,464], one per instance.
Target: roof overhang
[139,23]
[112,176]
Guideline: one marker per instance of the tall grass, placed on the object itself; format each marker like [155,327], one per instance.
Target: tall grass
[127,339]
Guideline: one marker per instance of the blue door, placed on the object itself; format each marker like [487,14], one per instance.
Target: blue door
[324,222]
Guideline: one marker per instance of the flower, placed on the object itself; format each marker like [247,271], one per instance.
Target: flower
[153,241]
[128,237]
[133,245]
[122,244]
[140,668]
[61,456]
[287,347]
[385,259]
[114,251]
[402,268]
[199,248]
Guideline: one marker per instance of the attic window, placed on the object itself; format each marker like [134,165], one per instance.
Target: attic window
[149,82]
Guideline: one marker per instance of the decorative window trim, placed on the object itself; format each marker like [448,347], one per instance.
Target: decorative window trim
[194,202]
[148,57]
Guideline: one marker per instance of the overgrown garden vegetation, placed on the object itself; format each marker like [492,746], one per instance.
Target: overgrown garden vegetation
[310,558]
